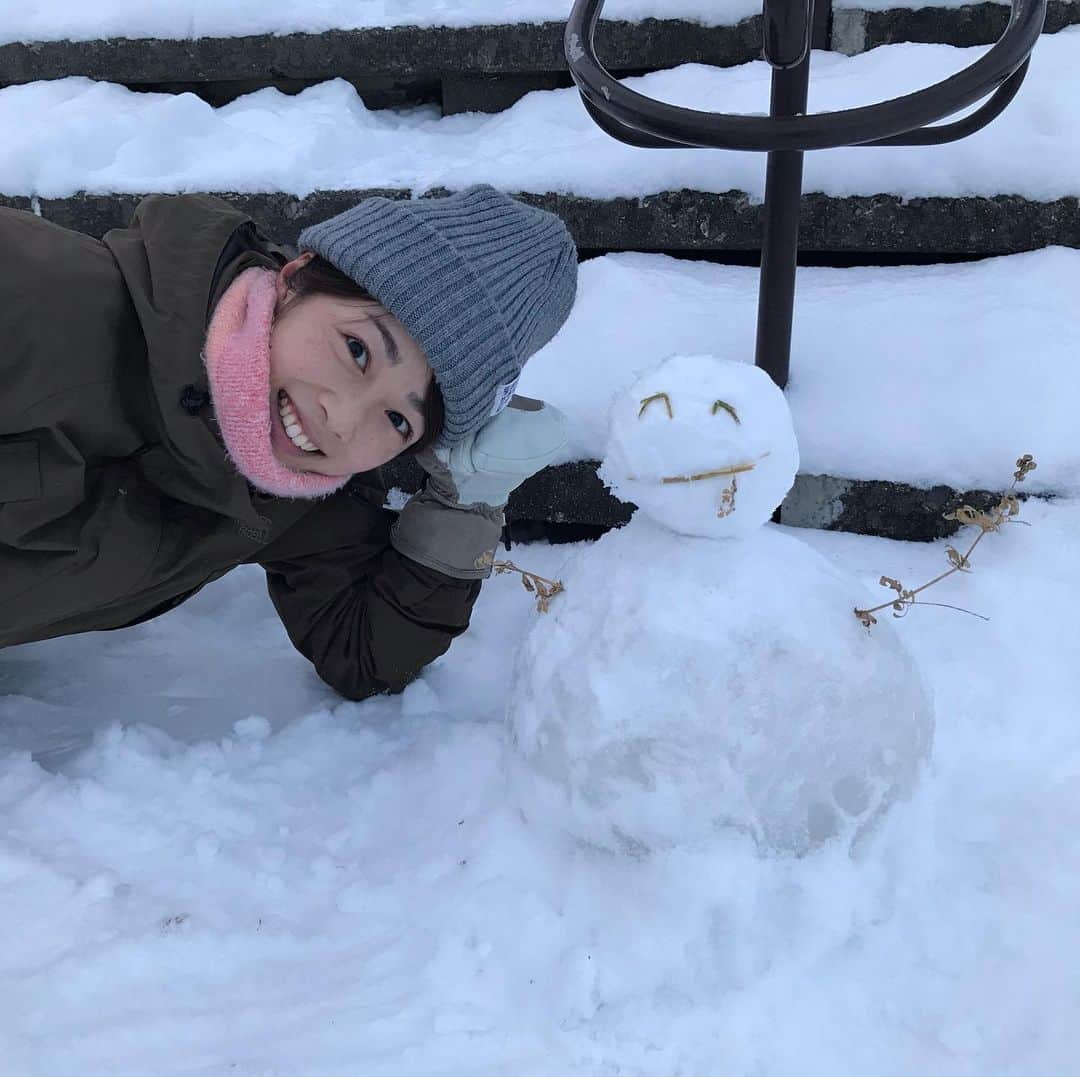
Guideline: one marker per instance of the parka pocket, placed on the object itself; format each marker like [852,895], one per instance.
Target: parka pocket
[20,471]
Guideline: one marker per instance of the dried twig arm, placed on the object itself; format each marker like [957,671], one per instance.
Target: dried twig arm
[1005,511]
[544,589]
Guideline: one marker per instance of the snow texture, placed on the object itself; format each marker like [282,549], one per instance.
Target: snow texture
[76,21]
[702,445]
[332,889]
[70,19]
[74,134]
[888,5]
[917,374]
[689,684]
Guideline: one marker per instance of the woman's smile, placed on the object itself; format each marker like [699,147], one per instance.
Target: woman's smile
[285,417]
[295,427]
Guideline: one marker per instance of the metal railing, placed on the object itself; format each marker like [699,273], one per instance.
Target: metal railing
[787,132]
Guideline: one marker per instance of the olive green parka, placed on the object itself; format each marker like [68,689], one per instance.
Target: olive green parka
[117,500]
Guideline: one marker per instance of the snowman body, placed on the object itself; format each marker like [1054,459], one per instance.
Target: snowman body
[703,672]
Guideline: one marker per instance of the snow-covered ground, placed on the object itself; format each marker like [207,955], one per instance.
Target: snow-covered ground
[210,864]
[100,137]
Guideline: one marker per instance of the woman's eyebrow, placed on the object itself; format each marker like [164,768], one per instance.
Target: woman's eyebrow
[388,340]
[417,403]
[389,343]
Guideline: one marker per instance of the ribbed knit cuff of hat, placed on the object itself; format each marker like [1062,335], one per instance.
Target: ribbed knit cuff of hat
[454,540]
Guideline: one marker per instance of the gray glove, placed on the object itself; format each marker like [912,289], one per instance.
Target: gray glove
[453,525]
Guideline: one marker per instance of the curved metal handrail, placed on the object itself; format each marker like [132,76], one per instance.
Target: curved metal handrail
[641,121]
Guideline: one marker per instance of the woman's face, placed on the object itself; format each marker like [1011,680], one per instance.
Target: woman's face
[347,383]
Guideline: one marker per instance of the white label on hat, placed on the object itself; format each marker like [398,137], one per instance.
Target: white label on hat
[503,395]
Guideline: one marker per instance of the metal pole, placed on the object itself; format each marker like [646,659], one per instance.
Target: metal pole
[783,191]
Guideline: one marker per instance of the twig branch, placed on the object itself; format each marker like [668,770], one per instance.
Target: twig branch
[544,589]
[959,609]
[1002,513]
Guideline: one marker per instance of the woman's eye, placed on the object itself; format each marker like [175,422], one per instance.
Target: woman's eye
[358,350]
[400,424]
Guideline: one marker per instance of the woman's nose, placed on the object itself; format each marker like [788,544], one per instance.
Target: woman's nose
[341,414]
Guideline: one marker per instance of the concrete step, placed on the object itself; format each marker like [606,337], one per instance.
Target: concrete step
[573,499]
[856,29]
[684,221]
[473,68]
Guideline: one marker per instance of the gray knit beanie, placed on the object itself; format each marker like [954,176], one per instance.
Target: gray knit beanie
[480,281]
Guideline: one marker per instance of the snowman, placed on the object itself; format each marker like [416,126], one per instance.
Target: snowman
[704,672]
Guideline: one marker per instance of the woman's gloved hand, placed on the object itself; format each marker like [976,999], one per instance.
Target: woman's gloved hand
[453,525]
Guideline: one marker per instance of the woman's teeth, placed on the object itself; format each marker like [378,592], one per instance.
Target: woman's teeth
[291,421]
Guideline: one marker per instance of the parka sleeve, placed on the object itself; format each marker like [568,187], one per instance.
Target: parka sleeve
[367,617]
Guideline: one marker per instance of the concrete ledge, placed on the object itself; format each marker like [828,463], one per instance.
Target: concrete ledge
[856,30]
[475,68]
[875,507]
[394,65]
[684,221]
[573,494]
[414,52]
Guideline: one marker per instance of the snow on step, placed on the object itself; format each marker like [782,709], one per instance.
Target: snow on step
[177,19]
[76,21]
[889,5]
[74,134]
[919,374]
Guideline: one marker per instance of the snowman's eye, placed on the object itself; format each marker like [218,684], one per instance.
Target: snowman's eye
[723,405]
[656,396]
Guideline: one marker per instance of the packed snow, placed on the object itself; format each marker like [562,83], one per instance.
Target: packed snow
[210,863]
[99,137]
[725,682]
[76,21]
[889,5]
[919,374]
[702,445]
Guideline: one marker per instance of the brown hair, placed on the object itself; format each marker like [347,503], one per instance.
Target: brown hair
[320,277]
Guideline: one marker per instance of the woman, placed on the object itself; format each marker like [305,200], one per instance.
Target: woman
[184,396]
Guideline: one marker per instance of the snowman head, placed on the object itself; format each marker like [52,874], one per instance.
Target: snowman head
[703,445]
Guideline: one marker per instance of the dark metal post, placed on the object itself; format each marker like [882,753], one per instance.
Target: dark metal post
[783,191]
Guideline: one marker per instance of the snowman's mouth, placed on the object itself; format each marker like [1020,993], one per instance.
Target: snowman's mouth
[720,472]
[717,473]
